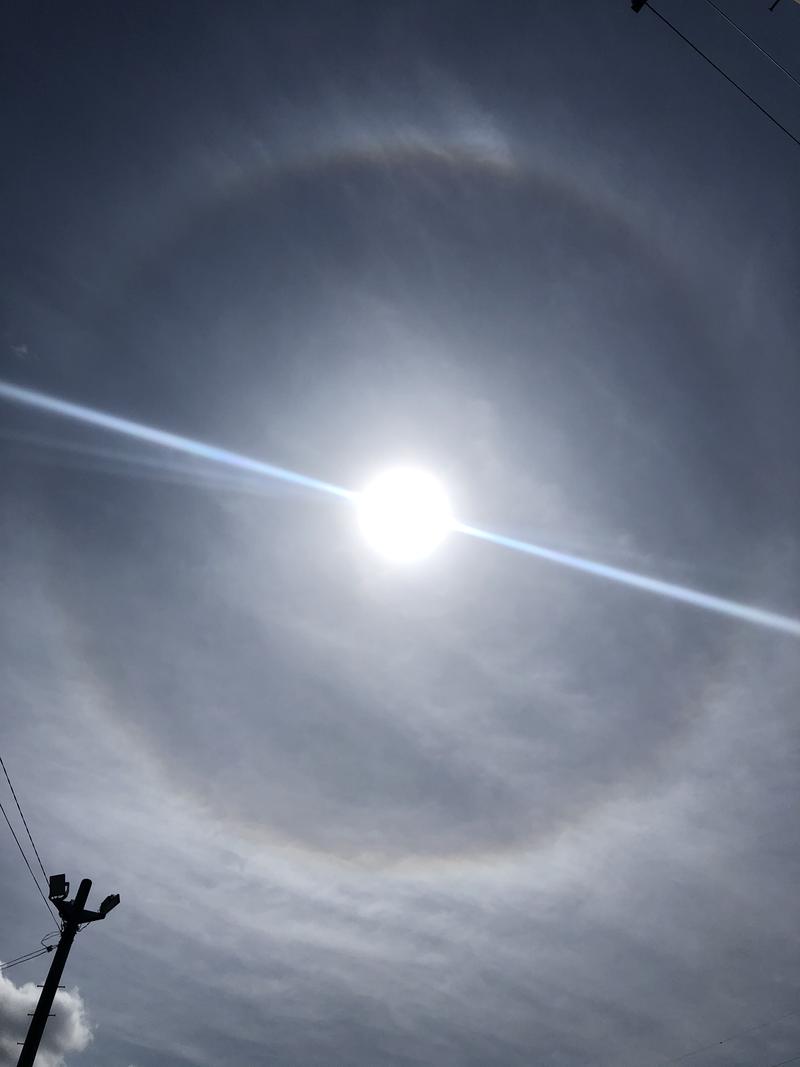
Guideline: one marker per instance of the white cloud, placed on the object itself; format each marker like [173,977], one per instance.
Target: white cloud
[68,1032]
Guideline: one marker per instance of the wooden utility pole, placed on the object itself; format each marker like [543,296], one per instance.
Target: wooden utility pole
[73,914]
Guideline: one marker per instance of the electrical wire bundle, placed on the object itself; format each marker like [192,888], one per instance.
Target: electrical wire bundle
[28,956]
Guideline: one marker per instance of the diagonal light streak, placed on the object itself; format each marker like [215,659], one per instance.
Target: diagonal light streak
[89,416]
[126,463]
[175,442]
[759,616]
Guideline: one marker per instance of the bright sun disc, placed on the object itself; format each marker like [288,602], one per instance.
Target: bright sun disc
[404,514]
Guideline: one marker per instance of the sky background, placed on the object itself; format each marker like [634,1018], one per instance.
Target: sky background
[478,812]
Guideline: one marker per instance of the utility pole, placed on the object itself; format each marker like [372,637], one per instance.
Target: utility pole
[73,914]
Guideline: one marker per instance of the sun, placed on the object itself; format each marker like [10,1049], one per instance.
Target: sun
[404,514]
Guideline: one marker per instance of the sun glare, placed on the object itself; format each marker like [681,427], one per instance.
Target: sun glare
[404,514]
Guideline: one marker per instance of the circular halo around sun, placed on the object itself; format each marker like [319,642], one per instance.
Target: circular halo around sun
[404,514]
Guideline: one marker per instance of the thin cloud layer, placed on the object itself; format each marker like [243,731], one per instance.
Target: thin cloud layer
[483,812]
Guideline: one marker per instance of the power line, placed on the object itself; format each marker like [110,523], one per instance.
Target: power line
[794,1059]
[22,853]
[710,61]
[21,959]
[27,957]
[754,43]
[24,820]
[733,1037]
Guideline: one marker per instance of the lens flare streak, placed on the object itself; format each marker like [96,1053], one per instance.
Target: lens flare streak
[90,417]
[758,616]
[31,398]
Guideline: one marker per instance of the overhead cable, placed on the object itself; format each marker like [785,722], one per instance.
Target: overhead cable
[27,864]
[24,820]
[719,70]
[754,42]
[782,1063]
[733,1037]
[27,958]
